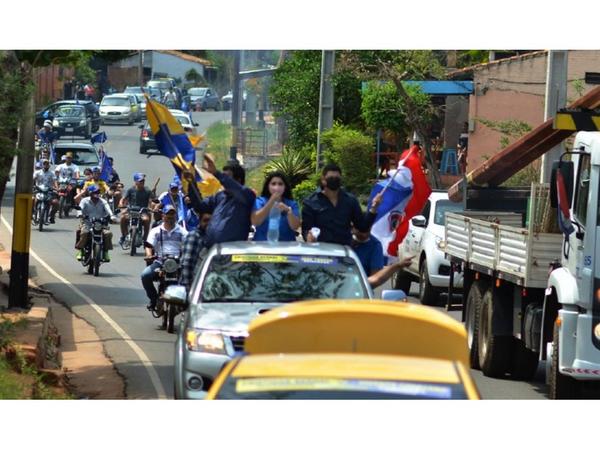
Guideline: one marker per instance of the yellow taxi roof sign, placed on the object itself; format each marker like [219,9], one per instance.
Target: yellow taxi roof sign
[358,326]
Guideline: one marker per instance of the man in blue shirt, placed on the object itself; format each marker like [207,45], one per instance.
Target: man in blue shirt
[230,208]
[369,250]
[46,135]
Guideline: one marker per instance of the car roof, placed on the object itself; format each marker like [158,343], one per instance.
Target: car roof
[121,95]
[76,145]
[178,112]
[281,248]
[351,365]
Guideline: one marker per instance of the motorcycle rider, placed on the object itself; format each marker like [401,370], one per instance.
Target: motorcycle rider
[137,196]
[67,171]
[115,187]
[46,135]
[94,207]
[166,239]
[172,197]
[45,177]
[170,98]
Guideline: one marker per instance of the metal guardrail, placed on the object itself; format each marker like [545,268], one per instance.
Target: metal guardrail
[259,141]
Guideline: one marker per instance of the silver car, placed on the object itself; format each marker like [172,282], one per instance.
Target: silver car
[238,281]
[118,108]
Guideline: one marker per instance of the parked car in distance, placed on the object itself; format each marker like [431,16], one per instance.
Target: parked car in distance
[84,154]
[72,120]
[227,100]
[118,108]
[134,90]
[425,240]
[161,83]
[49,111]
[239,280]
[204,98]
[356,349]
[136,106]
[147,141]
[142,104]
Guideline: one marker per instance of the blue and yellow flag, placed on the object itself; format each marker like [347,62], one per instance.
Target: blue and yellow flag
[173,142]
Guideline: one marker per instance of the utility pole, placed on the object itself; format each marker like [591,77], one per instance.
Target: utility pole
[19,261]
[556,98]
[325,99]
[236,106]
[141,67]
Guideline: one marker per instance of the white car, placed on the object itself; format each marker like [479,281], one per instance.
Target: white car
[185,120]
[425,240]
[118,108]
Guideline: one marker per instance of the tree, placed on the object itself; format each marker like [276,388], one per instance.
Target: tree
[194,77]
[398,66]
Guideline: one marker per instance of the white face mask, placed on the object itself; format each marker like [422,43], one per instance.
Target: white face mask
[277,189]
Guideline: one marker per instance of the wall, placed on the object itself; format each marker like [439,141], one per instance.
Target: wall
[457,113]
[175,67]
[119,77]
[49,82]
[515,89]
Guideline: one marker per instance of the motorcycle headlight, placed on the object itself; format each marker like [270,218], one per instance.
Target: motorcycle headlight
[81,123]
[39,196]
[207,341]
[170,265]
[440,243]
[97,226]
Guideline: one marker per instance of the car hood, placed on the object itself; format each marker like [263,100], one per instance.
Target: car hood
[69,119]
[229,317]
[196,97]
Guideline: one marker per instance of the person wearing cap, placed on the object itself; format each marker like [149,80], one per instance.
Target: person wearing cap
[163,240]
[172,197]
[94,207]
[67,171]
[45,177]
[138,196]
[95,180]
[46,135]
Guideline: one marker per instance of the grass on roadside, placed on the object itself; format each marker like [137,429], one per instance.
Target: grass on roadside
[219,141]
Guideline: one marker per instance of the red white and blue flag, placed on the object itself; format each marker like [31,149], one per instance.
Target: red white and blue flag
[564,215]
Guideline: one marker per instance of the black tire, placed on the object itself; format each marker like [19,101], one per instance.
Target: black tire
[90,267]
[428,295]
[88,131]
[203,107]
[524,361]
[473,308]
[142,150]
[494,350]
[217,107]
[132,235]
[61,207]
[171,313]
[97,259]
[41,218]
[562,387]
[402,280]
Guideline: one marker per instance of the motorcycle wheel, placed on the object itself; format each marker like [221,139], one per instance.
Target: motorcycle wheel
[90,261]
[41,218]
[95,262]
[165,318]
[61,207]
[171,313]
[132,243]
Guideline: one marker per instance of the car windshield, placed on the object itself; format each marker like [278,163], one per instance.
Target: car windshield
[159,84]
[115,101]
[133,90]
[200,92]
[81,157]
[70,111]
[281,278]
[141,98]
[296,388]
[183,120]
[442,207]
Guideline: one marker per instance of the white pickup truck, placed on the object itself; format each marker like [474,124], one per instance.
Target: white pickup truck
[532,296]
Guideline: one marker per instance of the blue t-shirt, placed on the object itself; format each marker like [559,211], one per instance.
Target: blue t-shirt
[370,254]
[285,232]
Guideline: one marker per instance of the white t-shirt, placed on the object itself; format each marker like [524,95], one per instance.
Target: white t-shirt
[172,241]
[67,172]
[92,210]
[41,178]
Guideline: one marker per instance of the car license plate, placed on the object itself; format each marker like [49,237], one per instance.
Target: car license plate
[69,130]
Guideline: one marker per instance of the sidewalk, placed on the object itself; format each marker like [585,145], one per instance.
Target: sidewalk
[61,343]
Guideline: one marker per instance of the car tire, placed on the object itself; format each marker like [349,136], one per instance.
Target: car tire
[88,131]
[524,361]
[561,386]
[142,150]
[473,308]
[428,295]
[217,107]
[402,280]
[203,106]
[494,350]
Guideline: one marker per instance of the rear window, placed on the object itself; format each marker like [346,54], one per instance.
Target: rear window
[442,207]
[279,388]
[70,111]
[81,157]
[115,101]
[281,278]
[200,92]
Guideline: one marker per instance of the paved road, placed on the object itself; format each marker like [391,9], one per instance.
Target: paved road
[120,313]
[115,302]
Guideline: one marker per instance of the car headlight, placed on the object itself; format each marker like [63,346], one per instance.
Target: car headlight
[207,341]
[82,123]
[440,243]
[55,123]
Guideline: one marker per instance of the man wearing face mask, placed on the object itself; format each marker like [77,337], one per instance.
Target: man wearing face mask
[334,211]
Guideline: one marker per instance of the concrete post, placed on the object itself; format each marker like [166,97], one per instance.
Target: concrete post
[326,98]
[556,98]
[236,106]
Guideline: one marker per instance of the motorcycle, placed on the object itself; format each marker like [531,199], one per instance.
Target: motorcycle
[66,193]
[135,235]
[41,212]
[168,274]
[110,198]
[92,252]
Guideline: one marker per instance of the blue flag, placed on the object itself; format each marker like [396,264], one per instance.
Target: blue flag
[105,165]
[99,138]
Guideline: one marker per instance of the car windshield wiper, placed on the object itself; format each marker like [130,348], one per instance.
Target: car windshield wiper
[245,300]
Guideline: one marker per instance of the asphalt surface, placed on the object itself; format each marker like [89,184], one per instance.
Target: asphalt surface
[114,303]
[145,359]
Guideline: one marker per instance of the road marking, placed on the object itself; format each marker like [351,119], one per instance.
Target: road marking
[136,348]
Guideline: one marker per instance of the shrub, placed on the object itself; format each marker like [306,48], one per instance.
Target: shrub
[305,188]
[293,164]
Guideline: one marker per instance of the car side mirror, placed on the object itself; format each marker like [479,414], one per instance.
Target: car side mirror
[419,221]
[141,127]
[566,170]
[394,295]
[176,295]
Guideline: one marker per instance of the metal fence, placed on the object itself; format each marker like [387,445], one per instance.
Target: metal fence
[259,141]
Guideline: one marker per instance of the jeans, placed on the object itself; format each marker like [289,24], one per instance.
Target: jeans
[148,278]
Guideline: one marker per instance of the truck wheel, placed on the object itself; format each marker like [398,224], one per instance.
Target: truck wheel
[524,361]
[561,386]
[472,323]
[402,280]
[428,295]
[494,350]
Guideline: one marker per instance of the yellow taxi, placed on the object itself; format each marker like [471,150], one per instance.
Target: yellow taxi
[350,350]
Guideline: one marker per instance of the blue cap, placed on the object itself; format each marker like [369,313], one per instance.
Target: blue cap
[38,165]
[139,176]
[93,189]
[96,169]
[168,208]
[173,185]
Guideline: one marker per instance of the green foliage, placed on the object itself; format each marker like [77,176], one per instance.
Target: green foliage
[509,129]
[406,64]
[466,58]
[524,177]
[194,77]
[306,188]
[218,136]
[352,151]
[293,164]
[579,86]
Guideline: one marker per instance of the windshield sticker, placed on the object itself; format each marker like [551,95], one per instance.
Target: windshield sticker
[332,384]
[284,259]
